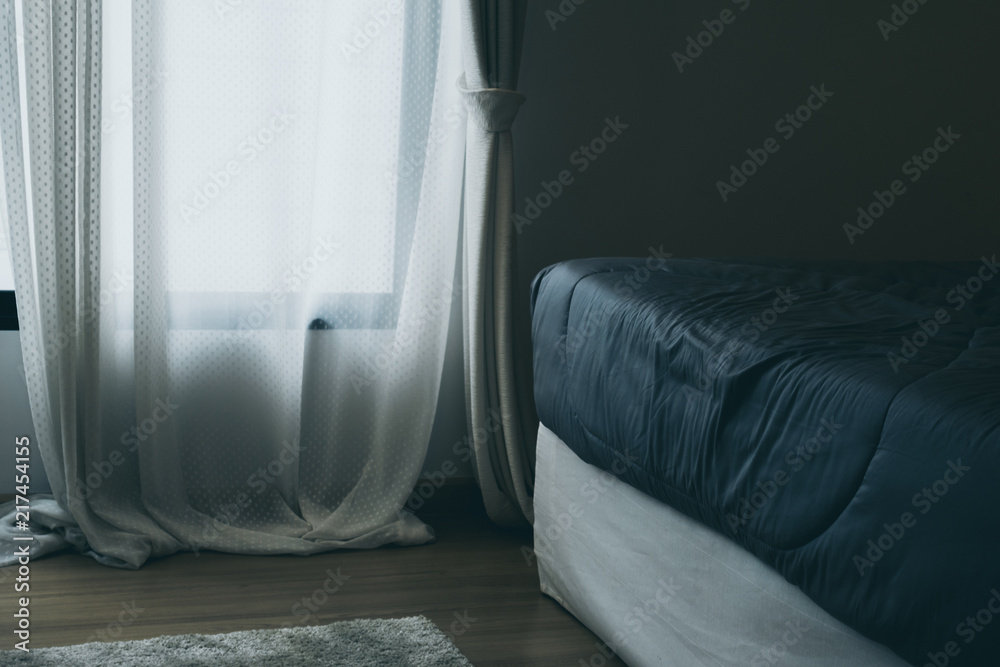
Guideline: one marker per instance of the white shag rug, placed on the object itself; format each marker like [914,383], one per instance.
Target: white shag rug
[413,641]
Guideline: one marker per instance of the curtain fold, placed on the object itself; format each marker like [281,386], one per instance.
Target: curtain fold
[499,415]
[58,153]
[233,271]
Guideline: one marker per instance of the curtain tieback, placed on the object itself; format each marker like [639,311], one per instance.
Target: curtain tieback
[492,109]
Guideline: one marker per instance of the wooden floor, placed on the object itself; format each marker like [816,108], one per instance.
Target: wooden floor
[473,582]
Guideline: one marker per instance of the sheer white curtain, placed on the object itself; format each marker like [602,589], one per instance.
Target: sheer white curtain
[239,332]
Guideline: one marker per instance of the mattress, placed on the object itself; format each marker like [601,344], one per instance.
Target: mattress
[660,588]
[840,421]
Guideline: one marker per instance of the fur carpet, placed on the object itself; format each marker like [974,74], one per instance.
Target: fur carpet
[413,641]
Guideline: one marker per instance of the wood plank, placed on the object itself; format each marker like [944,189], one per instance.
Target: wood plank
[473,582]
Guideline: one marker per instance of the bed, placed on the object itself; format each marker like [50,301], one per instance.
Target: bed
[761,462]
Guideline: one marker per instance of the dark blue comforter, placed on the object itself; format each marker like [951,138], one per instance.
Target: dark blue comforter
[839,420]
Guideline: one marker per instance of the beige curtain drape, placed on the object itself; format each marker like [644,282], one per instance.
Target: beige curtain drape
[499,424]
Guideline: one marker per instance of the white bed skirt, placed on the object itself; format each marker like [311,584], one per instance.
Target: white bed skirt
[659,588]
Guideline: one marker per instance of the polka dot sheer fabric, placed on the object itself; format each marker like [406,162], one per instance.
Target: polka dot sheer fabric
[234,238]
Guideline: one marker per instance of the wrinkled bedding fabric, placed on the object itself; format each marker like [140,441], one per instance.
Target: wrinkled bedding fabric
[839,420]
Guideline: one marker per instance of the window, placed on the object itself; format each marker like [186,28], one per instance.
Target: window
[274,168]
[262,176]
[8,309]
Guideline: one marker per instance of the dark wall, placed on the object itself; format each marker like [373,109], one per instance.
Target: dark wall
[656,184]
